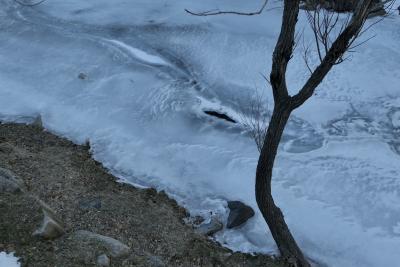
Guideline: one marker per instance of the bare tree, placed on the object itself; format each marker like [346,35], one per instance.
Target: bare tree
[333,38]
[331,54]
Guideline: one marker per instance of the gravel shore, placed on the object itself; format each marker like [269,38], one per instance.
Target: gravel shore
[84,196]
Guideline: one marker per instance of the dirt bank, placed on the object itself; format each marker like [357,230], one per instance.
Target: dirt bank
[85,197]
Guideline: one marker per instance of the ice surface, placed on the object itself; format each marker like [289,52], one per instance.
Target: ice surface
[151,70]
[141,55]
[8,260]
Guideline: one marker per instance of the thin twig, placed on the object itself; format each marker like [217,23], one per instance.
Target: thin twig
[306,55]
[218,12]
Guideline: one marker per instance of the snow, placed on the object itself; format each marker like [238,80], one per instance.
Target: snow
[8,260]
[152,69]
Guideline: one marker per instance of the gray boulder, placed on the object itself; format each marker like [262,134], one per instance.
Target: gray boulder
[239,214]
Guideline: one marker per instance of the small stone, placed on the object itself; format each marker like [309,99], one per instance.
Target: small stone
[210,228]
[10,183]
[82,76]
[115,248]
[51,228]
[103,260]
[239,214]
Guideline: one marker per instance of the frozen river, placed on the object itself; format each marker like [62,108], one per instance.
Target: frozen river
[135,77]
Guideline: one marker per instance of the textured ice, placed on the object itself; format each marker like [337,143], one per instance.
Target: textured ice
[151,70]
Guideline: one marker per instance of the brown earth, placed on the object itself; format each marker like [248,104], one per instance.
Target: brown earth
[86,197]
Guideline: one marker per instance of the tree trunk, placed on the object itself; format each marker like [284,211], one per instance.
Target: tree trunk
[271,213]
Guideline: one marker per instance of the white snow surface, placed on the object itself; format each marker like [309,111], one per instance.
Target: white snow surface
[8,260]
[152,70]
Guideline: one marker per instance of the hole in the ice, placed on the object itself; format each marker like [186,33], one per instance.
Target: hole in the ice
[219,115]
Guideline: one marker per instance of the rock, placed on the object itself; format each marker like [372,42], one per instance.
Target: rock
[51,227]
[95,249]
[210,228]
[82,76]
[89,204]
[111,246]
[103,260]
[27,219]
[239,214]
[10,183]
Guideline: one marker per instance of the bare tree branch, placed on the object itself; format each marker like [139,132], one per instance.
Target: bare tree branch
[345,39]
[218,12]
[306,54]
[284,50]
